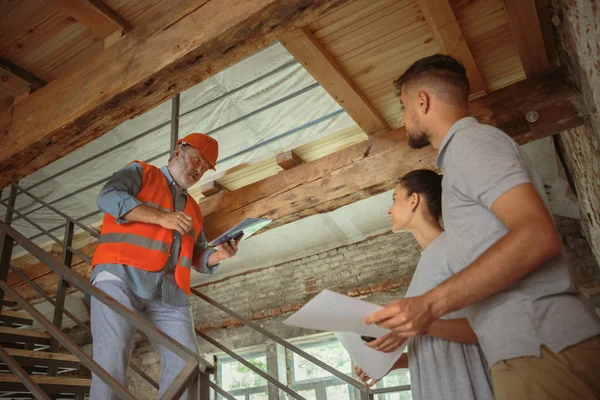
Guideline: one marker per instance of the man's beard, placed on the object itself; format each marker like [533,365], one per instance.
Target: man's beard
[417,137]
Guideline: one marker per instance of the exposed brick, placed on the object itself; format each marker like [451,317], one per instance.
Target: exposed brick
[375,287]
[275,311]
[364,289]
[286,308]
[353,292]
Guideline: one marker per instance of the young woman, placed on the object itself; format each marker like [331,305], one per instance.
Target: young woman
[446,362]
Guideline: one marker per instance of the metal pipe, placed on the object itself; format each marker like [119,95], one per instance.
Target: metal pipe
[249,365]
[45,295]
[23,376]
[392,389]
[174,122]
[164,124]
[44,204]
[89,215]
[220,391]
[140,323]
[33,223]
[72,347]
[281,341]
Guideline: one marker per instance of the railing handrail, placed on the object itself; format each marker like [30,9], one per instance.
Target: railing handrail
[349,380]
[81,225]
[75,319]
[66,273]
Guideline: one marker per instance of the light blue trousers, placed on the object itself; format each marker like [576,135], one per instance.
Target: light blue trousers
[113,338]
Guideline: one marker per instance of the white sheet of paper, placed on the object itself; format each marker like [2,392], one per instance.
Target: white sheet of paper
[334,312]
[374,363]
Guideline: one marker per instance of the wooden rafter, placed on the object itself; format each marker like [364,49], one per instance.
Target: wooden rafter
[128,78]
[527,33]
[366,168]
[18,74]
[449,36]
[102,20]
[323,67]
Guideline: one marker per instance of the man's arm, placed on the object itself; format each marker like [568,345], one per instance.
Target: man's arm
[206,261]
[531,240]
[118,198]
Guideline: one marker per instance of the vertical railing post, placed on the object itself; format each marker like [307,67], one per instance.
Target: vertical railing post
[174,121]
[6,242]
[204,386]
[61,287]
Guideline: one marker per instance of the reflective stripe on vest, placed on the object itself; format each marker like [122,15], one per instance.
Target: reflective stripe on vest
[185,262]
[135,240]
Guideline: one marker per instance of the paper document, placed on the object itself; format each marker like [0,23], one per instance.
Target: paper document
[248,227]
[374,363]
[334,312]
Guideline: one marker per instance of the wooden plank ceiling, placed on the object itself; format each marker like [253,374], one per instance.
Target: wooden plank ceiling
[355,52]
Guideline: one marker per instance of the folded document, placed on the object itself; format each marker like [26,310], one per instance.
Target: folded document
[343,315]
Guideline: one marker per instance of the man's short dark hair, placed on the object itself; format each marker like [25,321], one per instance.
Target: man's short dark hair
[447,74]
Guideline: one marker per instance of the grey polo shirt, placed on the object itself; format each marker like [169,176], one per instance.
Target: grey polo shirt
[117,198]
[480,163]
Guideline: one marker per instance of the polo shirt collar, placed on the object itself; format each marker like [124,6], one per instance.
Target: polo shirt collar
[458,125]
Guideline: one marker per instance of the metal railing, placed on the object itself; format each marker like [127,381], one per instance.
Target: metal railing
[364,392]
[195,373]
[66,276]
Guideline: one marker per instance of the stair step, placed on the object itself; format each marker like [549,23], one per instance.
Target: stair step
[15,318]
[27,336]
[29,358]
[49,384]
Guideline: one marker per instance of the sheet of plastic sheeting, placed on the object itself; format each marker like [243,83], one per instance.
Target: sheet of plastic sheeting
[255,66]
[156,142]
[243,72]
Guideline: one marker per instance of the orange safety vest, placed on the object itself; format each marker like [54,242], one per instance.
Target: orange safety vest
[147,246]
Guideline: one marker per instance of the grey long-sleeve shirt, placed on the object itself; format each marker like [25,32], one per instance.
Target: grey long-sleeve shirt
[117,198]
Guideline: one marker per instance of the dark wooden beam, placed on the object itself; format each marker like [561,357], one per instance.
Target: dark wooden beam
[373,166]
[30,79]
[191,41]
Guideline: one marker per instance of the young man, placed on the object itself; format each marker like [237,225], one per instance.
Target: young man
[151,237]
[539,335]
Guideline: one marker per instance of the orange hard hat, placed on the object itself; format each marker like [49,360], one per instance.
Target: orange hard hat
[206,145]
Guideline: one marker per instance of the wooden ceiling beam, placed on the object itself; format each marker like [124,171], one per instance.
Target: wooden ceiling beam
[102,20]
[447,32]
[526,31]
[372,166]
[19,76]
[145,68]
[322,66]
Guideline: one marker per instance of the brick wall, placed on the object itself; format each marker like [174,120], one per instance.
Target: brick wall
[577,25]
[383,264]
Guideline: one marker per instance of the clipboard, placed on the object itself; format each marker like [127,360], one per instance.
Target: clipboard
[247,227]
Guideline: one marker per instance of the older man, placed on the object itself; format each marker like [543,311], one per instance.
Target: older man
[151,238]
